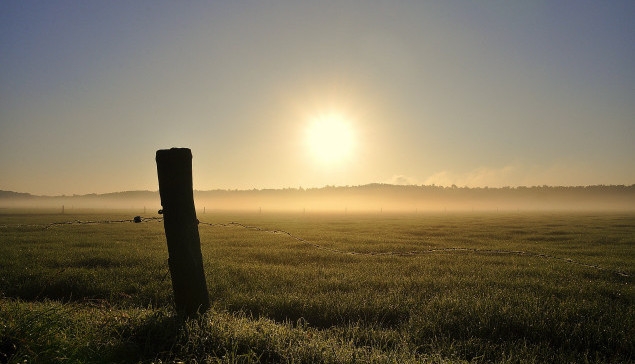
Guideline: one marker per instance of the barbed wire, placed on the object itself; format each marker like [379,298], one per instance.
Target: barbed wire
[139,219]
[424,251]
[136,219]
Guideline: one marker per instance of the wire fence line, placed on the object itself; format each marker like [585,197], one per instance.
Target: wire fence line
[423,251]
[136,219]
[139,219]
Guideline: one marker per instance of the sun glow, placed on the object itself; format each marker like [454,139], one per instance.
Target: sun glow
[330,139]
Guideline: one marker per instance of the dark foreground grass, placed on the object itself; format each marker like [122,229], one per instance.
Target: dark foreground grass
[55,332]
[362,288]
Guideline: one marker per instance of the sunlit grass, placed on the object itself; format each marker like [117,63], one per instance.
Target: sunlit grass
[520,287]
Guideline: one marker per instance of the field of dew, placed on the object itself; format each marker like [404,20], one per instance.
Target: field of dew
[305,288]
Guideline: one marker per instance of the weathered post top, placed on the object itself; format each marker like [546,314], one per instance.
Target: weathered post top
[174,169]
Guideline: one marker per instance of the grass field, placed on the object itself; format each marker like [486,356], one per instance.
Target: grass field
[302,288]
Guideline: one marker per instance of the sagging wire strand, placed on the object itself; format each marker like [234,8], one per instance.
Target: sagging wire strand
[234,224]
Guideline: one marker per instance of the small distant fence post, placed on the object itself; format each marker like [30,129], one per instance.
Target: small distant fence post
[174,169]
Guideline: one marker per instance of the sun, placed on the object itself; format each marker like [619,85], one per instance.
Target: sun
[330,139]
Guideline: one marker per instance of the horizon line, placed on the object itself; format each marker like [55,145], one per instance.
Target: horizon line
[300,188]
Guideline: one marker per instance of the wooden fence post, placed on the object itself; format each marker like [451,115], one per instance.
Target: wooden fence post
[174,169]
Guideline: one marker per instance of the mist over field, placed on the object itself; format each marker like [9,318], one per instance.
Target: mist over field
[355,199]
[347,162]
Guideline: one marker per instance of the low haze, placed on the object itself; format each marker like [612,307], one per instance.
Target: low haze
[282,94]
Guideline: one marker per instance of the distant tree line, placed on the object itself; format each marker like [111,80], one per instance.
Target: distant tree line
[369,197]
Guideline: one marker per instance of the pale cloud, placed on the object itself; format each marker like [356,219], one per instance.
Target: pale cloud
[559,173]
[400,179]
[484,176]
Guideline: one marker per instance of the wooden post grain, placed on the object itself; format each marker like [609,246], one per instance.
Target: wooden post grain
[174,169]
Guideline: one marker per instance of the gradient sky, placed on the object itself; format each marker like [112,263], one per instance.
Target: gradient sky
[472,93]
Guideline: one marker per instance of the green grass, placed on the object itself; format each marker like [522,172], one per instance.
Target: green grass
[382,288]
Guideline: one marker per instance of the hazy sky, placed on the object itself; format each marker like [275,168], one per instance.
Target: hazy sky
[476,93]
